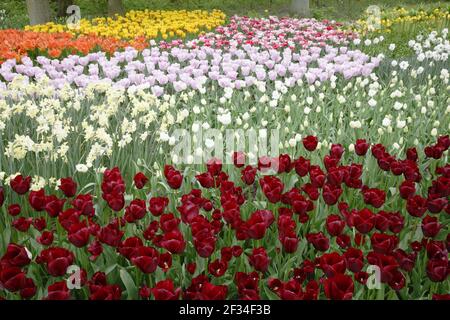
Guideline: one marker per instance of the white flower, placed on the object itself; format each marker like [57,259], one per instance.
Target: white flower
[355,124]
[398,105]
[434,132]
[209,143]
[196,109]
[386,122]
[81,168]
[225,119]
[292,142]
[195,127]
[404,65]
[392,46]
[401,124]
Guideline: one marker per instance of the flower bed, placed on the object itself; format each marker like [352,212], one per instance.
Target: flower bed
[222,237]
[146,24]
[275,32]
[16,44]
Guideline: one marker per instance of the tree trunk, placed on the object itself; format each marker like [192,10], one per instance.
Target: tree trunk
[62,7]
[115,7]
[301,7]
[38,11]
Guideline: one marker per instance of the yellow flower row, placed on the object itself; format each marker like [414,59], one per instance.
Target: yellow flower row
[147,23]
[399,16]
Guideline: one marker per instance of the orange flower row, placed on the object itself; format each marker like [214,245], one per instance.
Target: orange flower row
[18,43]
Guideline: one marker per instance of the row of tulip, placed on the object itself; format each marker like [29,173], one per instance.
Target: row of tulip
[219,234]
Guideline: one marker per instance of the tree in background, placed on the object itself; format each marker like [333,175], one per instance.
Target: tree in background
[115,7]
[38,11]
[62,7]
[301,7]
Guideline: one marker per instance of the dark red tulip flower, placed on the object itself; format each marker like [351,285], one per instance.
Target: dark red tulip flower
[173,241]
[146,259]
[135,211]
[58,291]
[56,259]
[318,240]
[310,143]
[363,220]
[361,147]
[78,234]
[145,292]
[355,259]
[165,261]
[335,225]
[212,292]
[168,222]
[437,270]
[416,206]
[331,194]
[165,290]
[68,187]
[28,290]
[339,287]
[272,188]
[383,243]
[218,267]
[111,235]
[248,285]
[206,180]
[332,264]
[158,205]
[22,224]
[15,256]
[238,159]
[106,292]
[54,206]
[190,267]
[46,238]
[140,180]
[302,166]
[407,189]
[173,177]
[430,226]
[317,176]
[405,260]
[411,154]
[259,259]
[374,197]
[37,200]
[14,210]
[84,204]
[248,175]
[39,223]
[20,184]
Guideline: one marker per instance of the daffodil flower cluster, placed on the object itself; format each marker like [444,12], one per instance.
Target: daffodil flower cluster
[148,24]
[401,16]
